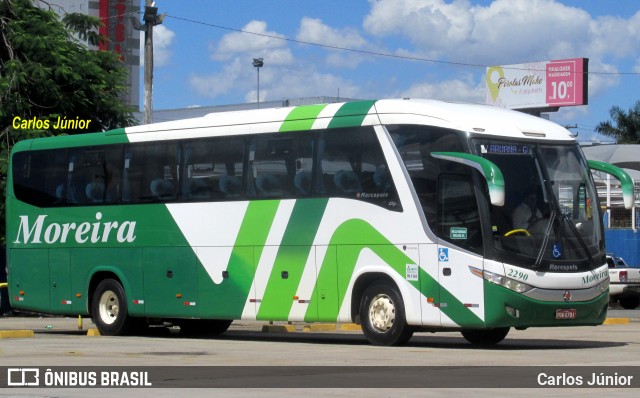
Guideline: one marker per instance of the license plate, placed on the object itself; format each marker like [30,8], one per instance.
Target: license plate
[566,314]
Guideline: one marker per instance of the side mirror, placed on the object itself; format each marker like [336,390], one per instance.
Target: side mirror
[488,169]
[625,179]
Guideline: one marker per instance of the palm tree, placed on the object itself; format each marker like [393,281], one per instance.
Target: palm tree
[627,125]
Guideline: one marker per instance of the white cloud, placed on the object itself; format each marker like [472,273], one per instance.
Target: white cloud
[569,114]
[615,35]
[458,90]
[313,30]
[276,82]
[599,83]
[307,82]
[280,77]
[217,84]
[162,41]
[504,32]
[259,45]
[431,25]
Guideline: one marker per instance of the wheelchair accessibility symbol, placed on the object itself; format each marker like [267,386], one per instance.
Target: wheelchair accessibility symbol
[443,254]
[557,251]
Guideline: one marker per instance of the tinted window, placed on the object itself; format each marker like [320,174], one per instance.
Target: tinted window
[281,165]
[150,172]
[94,175]
[346,162]
[39,177]
[415,144]
[352,165]
[213,169]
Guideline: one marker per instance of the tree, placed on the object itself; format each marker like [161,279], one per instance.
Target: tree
[46,73]
[627,125]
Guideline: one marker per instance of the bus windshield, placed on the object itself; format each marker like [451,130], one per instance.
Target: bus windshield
[549,221]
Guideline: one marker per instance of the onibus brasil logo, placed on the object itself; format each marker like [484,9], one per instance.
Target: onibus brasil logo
[49,233]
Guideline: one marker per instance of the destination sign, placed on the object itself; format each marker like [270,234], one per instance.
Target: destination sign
[506,149]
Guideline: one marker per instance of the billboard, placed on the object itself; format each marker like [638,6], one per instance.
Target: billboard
[538,85]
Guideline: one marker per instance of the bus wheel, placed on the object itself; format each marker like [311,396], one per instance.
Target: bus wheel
[109,309]
[630,303]
[382,315]
[204,327]
[485,337]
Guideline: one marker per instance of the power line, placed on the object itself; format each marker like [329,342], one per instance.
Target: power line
[375,53]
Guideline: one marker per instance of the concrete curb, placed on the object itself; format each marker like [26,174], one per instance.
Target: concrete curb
[16,334]
[312,327]
[617,321]
[350,327]
[319,327]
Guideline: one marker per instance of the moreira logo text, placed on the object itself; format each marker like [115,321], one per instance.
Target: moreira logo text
[49,233]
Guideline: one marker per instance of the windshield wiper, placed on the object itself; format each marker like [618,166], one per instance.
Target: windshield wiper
[551,199]
[577,234]
[545,240]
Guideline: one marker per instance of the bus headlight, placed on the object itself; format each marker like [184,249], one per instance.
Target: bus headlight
[603,286]
[511,284]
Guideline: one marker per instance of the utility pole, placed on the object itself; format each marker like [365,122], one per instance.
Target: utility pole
[151,19]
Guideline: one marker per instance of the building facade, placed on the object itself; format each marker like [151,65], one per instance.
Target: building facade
[123,38]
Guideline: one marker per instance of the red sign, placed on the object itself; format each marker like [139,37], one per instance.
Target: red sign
[112,15]
[566,82]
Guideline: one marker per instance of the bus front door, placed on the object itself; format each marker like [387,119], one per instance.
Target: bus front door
[461,291]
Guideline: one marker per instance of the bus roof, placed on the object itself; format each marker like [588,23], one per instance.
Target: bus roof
[466,117]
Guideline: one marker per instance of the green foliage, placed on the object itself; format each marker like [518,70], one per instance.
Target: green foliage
[625,127]
[46,73]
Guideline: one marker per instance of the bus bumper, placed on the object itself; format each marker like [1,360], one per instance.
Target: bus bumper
[506,308]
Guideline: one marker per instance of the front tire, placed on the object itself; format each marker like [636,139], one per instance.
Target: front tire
[109,309]
[383,317]
[485,337]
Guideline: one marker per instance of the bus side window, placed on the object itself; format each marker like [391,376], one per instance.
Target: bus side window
[94,175]
[458,218]
[39,177]
[212,169]
[352,165]
[281,165]
[150,172]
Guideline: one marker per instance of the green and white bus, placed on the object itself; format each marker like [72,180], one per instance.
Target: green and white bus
[394,214]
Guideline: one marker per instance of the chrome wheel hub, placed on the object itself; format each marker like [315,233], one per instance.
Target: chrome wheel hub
[382,313]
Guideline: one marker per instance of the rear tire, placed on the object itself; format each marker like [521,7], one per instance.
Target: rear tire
[485,337]
[383,317]
[109,309]
[630,303]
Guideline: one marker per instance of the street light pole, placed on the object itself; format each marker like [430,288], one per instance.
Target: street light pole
[258,63]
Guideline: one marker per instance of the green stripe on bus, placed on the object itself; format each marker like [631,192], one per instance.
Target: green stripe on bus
[254,230]
[351,114]
[454,309]
[291,259]
[79,140]
[302,118]
[351,238]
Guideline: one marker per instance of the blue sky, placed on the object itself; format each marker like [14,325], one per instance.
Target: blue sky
[202,59]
